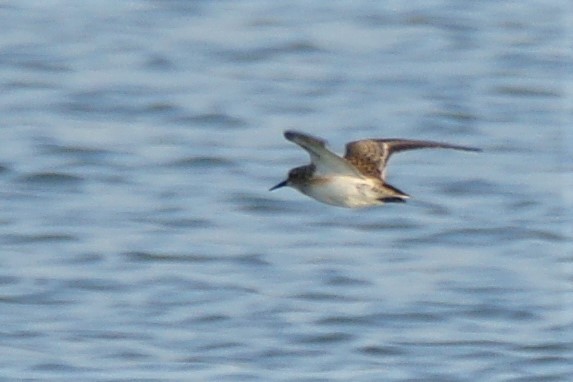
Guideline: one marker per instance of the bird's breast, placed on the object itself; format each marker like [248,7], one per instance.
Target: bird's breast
[342,191]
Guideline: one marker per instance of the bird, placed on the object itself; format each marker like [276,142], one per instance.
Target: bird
[356,180]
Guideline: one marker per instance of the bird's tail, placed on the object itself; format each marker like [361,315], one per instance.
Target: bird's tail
[391,194]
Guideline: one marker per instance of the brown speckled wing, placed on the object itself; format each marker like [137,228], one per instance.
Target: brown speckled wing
[370,156]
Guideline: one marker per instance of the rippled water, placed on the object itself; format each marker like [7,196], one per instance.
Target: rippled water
[139,242]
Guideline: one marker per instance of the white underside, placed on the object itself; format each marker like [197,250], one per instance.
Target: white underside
[345,191]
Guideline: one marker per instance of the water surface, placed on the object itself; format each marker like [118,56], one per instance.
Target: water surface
[138,240]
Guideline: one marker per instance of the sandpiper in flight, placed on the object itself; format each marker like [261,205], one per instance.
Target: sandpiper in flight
[356,180]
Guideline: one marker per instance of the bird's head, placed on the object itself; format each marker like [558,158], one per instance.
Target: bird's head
[296,177]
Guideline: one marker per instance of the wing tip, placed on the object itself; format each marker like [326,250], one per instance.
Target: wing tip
[467,148]
[290,134]
[293,135]
[299,137]
[392,143]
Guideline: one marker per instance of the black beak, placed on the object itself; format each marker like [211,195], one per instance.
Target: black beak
[281,184]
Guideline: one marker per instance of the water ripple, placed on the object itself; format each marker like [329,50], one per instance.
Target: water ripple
[14,239]
[170,257]
[219,120]
[211,162]
[54,180]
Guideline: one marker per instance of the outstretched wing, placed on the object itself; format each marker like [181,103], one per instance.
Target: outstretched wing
[370,156]
[325,161]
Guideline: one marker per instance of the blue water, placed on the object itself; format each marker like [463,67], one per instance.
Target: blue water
[138,241]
